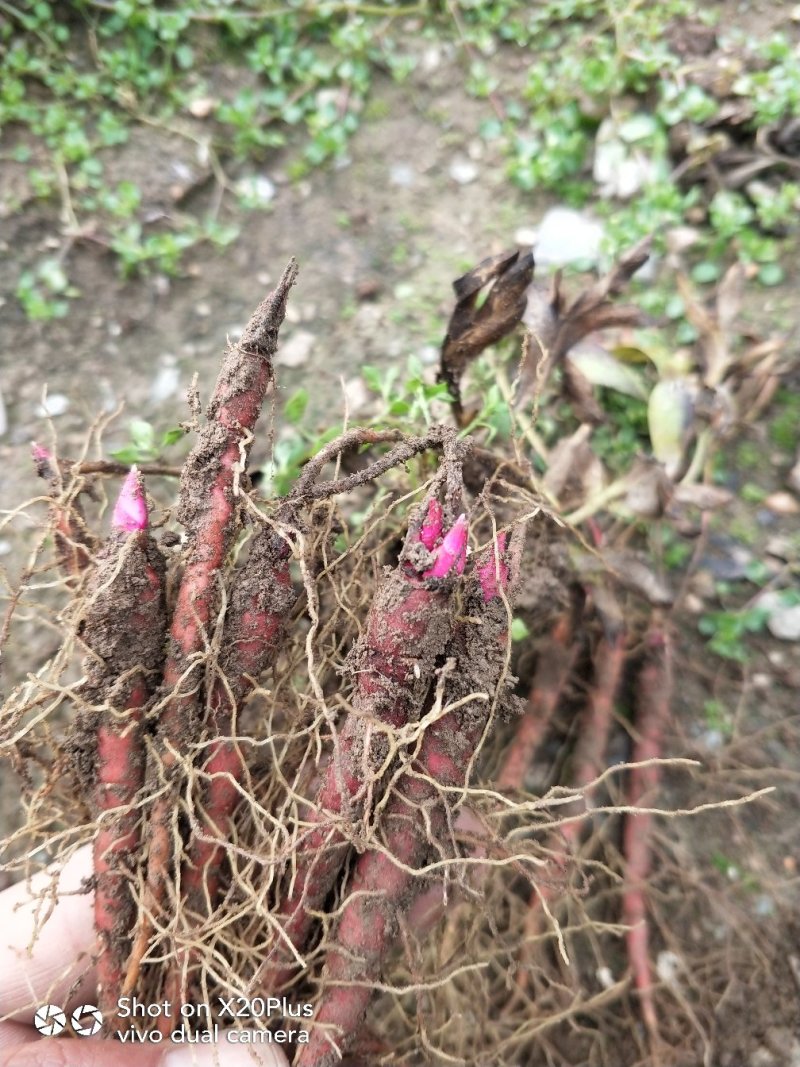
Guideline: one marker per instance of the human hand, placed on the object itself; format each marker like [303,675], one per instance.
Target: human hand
[58,970]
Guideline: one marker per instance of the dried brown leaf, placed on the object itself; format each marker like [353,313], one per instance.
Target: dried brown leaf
[557,326]
[473,328]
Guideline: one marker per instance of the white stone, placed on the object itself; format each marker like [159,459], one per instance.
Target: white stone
[783,620]
[296,349]
[202,106]
[782,503]
[53,405]
[567,236]
[165,384]
[402,175]
[668,966]
[463,171]
[256,189]
[357,395]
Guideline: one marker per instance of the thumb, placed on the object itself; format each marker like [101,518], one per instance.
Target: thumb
[72,1052]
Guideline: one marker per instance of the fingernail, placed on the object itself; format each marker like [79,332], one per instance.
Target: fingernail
[228,1051]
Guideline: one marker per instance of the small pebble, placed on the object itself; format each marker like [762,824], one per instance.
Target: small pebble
[296,349]
[202,106]
[783,620]
[782,504]
[526,236]
[668,967]
[476,149]
[256,189]
[402,175]
[463,171]
[368,288]
[357,395]
[202,309]
[764,906]
[681,238]
[431,58]
[161,285]
[54,405]
[780,547]
[567,236]
[166,385]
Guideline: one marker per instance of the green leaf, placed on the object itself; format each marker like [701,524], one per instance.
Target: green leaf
[600,368]
[706,272]
[638,127]
[670,411]
[519,631]
[171,437]
[126,455]
[771,274]
[295,406]
[142,435]
[372,378]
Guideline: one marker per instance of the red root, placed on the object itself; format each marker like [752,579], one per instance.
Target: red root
[556,657]
[207,508]
[408,613]
[383,882]
[589,758]
[124,631]
[256,619]
[588,762]
[652,715]
[72,540]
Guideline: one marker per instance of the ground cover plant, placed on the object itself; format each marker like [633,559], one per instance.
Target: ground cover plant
[674,117]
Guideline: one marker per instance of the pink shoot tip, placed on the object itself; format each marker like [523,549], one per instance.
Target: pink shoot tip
[451,555]
[431,531]
[490,568]
[130,510]
[39,453]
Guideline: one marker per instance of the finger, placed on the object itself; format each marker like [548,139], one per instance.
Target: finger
[12,1035]
[40,961]
[88,1053]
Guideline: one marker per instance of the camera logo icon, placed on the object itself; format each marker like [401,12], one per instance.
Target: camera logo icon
[86,1020]
[50,1020]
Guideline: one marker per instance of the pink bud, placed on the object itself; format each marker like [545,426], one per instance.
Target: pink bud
[43,460]
[431,530]
[488,568]
[130,510]
[451,555]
